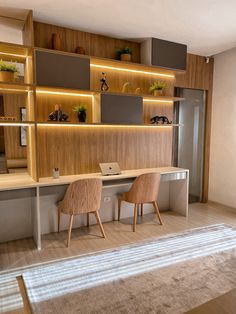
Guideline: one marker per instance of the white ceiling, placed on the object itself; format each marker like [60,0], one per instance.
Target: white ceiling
[206,26]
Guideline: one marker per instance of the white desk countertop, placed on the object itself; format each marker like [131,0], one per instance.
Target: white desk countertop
[23,181]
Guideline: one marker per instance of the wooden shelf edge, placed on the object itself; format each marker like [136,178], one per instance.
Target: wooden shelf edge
[13,45]
[17,123]
[16,87]
[107,124]
[60,90]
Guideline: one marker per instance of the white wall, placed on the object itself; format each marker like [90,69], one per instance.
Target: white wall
[10,34]
[222,188]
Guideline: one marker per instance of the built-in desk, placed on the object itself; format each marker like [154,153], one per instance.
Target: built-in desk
[176,193]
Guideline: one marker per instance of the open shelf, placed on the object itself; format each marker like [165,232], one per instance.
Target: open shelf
[15,87]
[41,90]
[17,123]
[90,93]
[147,97]
[14,52]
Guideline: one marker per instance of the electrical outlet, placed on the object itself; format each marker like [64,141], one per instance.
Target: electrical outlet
[106,199]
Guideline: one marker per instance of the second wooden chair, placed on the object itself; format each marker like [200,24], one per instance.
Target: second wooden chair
[144,190]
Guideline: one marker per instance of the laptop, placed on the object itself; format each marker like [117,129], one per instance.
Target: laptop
[110,168]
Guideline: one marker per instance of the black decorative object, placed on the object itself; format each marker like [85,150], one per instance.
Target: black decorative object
[104,84]
[81,112]
[160,120]
[82,116]
[58,114]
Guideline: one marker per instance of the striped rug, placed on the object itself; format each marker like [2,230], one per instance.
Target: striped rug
[68,276]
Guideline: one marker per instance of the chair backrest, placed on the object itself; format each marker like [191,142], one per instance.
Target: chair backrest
[82,196]
[144,189]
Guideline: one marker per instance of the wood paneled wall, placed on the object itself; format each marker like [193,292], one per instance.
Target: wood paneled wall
[152,149]
[198,75]
[94,45]
[79,150]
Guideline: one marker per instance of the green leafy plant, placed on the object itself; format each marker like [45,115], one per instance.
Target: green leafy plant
[80,108]
[125,50]
[158,85]
[8,67]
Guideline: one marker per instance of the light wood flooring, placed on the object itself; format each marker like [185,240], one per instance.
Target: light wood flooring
[22,253]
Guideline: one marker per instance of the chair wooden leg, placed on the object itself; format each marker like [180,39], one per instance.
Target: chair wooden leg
[157,212]
[119,208]
[142,209]
[138,210]
[100,224]
[87,219]
[58,219]
[135,217]
[69,230]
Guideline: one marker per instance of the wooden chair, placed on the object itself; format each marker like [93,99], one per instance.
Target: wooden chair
[82,197]
[144,190]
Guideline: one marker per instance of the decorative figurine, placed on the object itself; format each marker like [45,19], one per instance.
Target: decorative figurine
[104,84]
[160,120]
[56,41]
[55,173]
[58,114]
[80,50]
[138,90]
[126,88]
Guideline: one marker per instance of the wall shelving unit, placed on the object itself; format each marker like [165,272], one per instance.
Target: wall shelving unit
[46,137]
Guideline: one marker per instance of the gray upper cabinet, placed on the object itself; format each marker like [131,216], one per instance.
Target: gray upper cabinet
[58,70]
[164,54]
[121,109]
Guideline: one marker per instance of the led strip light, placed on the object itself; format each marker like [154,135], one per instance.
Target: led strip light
[130,70]
[63,93]
[104,125]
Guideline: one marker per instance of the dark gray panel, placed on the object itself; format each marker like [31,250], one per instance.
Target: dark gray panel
[167,54]
[121,109]
[62,71]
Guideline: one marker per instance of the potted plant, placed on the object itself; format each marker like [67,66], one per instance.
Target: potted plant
[125,53]
[81,112]
[7,72]
[158,88]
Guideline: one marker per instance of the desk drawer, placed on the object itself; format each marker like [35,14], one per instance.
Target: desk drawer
[173,176]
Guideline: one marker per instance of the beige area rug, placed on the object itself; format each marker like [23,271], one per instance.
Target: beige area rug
[170,275]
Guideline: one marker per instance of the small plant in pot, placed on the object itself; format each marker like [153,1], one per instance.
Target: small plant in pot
[125,54]
[7,72]
[81,112]
[158,88]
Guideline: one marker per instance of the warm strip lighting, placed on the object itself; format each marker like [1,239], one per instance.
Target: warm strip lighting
[13,90]
[62,93]
[13,55]
[105,125]
[15,124]
[130,70]
[158,100]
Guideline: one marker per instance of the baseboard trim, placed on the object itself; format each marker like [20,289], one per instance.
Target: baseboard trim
[218,205]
